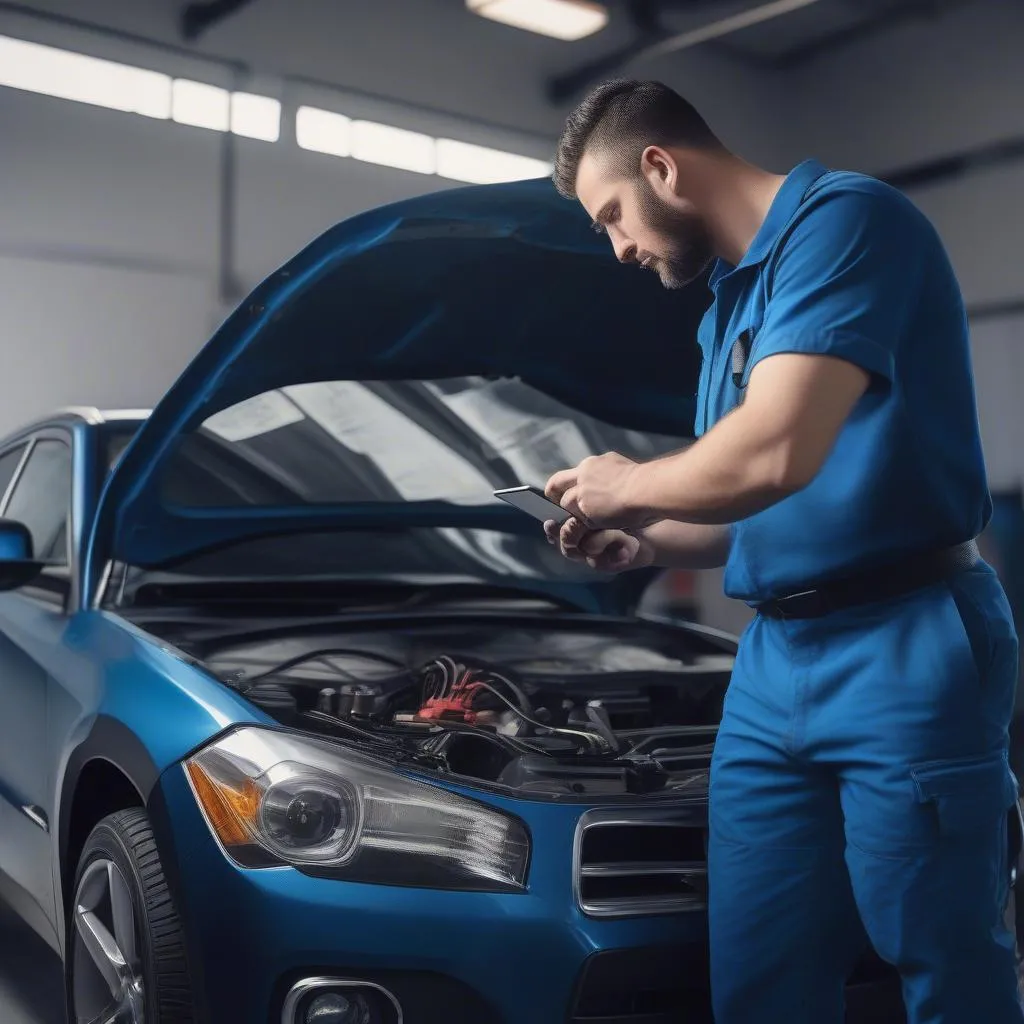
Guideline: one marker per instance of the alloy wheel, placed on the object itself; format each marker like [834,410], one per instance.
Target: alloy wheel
[107,983]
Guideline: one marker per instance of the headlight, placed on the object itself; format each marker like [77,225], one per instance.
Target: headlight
[273,798]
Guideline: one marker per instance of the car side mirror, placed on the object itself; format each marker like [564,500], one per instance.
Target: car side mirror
[17,566]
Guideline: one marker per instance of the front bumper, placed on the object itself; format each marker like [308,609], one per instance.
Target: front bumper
[446,957]
[451,957]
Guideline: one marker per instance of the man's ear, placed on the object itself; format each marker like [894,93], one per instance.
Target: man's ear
[660,169]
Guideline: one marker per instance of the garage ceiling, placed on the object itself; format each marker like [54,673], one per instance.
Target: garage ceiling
[827,25]
[436,53]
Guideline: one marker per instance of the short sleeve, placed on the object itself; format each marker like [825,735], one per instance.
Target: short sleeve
[844,280]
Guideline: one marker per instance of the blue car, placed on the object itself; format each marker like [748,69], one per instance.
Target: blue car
[298,723]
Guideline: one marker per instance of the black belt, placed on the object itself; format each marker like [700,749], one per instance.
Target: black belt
[892,580]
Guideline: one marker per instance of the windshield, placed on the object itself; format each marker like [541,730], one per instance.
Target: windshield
[348,442]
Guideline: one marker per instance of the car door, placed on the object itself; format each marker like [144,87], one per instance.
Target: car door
[32,623]
[11,459]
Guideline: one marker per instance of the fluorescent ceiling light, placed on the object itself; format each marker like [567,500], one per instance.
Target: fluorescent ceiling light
[255,117]
[74,76]
[461,161]
[200,105]
[393,147]
[323,131]
[562,19]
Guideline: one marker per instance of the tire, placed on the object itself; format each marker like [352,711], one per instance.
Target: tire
[125,959]
[1015,905]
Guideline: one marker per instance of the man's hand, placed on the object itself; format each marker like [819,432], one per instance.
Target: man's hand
[598,492]
[603,550]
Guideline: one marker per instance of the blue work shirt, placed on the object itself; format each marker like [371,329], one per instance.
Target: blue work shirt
[847,266]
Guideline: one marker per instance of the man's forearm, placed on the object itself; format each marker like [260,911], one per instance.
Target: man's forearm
[770,447]
[672,545]
[731,473]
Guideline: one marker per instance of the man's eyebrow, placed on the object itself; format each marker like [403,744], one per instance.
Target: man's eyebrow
[602,215]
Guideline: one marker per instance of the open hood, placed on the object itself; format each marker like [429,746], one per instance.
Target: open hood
[496,281]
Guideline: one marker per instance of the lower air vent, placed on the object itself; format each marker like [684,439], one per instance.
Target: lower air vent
[641,862]
[658,985]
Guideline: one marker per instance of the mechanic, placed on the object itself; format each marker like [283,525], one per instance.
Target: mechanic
[860,780]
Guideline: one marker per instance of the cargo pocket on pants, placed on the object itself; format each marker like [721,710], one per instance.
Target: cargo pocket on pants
[970,795]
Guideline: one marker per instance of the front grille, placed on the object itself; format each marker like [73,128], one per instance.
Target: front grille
[654,985]
[649,861]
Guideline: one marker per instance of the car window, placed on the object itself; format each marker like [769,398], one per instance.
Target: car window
[42,499]
[9,463]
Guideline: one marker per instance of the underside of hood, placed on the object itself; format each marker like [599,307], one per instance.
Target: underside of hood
[496,281]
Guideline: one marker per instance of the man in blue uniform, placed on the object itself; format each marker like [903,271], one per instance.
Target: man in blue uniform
[860,779]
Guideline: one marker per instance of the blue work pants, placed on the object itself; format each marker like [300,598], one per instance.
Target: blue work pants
[860,789]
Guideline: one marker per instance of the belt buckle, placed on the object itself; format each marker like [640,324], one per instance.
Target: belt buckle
[781,602]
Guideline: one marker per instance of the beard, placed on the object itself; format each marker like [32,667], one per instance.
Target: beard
[686,246]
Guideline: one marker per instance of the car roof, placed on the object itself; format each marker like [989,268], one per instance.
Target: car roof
[88,415]
[118,415]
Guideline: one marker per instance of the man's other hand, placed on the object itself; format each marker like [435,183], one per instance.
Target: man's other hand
[603,550]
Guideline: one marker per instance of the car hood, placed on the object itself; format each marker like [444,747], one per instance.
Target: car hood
[497,281]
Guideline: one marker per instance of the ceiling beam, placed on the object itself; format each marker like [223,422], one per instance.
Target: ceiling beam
[956,165]
[199,18]
[652,41]
[868,27]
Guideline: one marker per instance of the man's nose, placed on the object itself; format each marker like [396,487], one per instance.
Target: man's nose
[625,250]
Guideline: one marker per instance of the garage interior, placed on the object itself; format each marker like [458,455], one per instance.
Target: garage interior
[131,229]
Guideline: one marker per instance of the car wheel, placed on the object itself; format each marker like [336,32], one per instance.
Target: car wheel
[1015,907]
[125,954]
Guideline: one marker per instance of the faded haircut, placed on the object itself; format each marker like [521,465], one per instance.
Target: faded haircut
[621,119]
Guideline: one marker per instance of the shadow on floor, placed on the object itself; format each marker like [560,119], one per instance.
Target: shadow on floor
[31,980]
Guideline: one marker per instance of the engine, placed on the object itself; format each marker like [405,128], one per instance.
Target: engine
[544,725]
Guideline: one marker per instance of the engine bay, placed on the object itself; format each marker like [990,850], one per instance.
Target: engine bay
[557,712]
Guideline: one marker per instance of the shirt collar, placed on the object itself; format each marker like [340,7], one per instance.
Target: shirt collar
[780,213]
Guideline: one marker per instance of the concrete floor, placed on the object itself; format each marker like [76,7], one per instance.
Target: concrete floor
[31,980]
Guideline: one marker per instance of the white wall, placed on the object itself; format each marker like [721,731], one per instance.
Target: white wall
[928,89]
[999,371]
[75,333]
[981,219]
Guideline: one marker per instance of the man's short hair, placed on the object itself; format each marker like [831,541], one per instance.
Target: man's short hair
[622,118]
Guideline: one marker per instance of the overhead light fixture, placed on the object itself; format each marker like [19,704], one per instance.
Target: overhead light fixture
[393,147]
[561,19]
[462,161]
[75,76]
[200,105]
[323,131]
[255,117]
